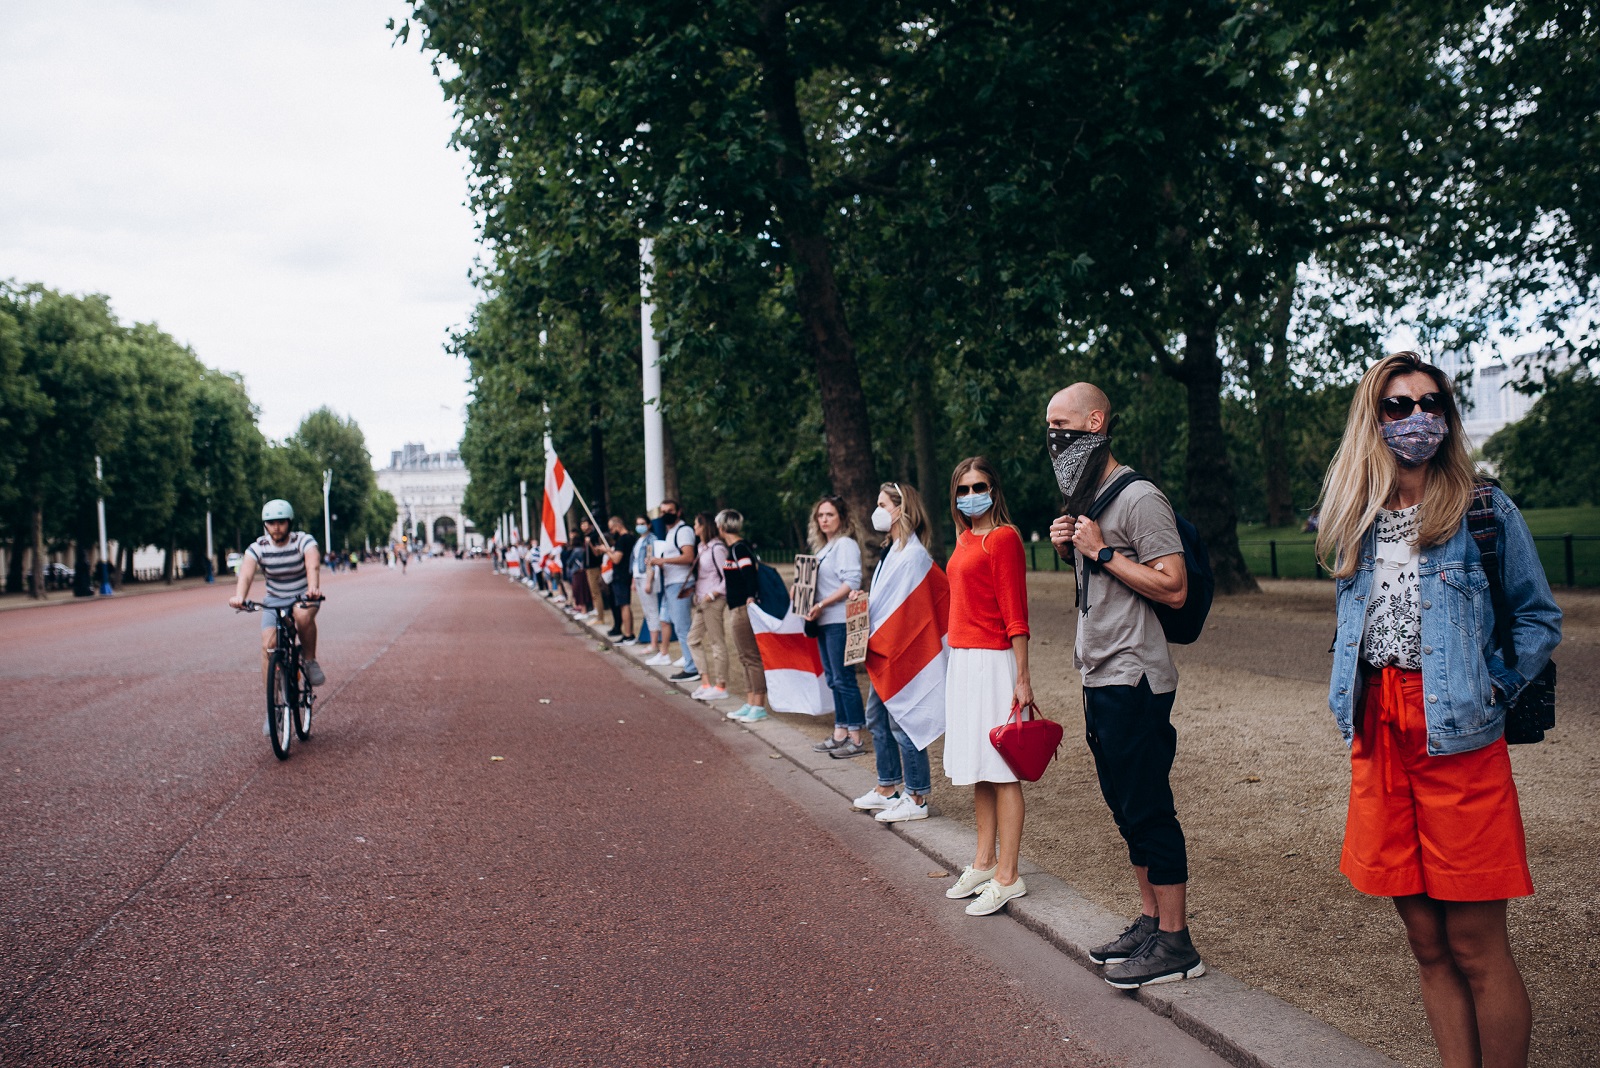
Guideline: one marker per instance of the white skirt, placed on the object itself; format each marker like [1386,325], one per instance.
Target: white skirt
[978,687]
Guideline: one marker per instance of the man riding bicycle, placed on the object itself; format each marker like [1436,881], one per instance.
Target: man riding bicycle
[292,565]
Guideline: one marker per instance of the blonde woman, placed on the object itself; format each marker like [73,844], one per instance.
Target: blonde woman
[909,613]
[1419,690]
[988,671]
[833,540]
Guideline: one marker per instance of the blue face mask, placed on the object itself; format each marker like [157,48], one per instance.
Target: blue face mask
[640,528]
[974,504]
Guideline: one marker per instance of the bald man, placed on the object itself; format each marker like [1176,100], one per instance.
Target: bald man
[1126,561]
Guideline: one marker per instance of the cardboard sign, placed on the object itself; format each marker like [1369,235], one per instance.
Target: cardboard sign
[856,630]
[804,595]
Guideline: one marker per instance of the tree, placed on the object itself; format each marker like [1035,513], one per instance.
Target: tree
[1550,458]
[327,442]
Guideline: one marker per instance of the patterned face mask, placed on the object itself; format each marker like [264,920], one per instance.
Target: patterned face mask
[1069,455]
[1415,439]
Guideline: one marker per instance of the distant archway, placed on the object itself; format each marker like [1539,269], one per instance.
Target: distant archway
[444,532]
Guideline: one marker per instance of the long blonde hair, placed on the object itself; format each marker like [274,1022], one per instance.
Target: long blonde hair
[913,518]
[1364,472]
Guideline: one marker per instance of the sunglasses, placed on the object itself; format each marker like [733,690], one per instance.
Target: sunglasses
[976,487]
[1400,407]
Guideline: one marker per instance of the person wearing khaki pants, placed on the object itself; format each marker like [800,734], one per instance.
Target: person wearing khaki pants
[708,633]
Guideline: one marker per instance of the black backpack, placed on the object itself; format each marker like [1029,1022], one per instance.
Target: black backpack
[772,595]
[1182,626]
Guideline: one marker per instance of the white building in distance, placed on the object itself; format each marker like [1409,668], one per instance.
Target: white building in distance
[429,489]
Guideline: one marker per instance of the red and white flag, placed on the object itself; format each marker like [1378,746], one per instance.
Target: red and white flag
[792,664]
[907,652]
[553,516]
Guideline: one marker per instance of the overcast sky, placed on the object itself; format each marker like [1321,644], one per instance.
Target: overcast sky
[271,184]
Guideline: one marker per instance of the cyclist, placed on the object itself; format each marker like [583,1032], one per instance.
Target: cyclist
[292,565]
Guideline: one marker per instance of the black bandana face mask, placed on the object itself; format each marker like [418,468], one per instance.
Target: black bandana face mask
[1070,452]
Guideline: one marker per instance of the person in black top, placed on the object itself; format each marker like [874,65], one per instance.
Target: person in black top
[739,576]
[621,585]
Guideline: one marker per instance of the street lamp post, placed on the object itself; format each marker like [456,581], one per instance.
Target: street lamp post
[327,518]
[655,478]
[100,509]
[525,527]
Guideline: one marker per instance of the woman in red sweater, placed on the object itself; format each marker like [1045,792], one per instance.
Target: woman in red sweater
[988,671]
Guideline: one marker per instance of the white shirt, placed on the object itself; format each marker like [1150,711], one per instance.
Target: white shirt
[1394,610]
[679,538]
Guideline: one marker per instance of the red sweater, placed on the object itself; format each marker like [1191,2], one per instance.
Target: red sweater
[988,590]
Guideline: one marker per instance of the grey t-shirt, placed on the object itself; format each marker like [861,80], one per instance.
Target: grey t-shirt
[1119,636]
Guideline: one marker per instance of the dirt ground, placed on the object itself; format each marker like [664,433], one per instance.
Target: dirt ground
[1261,781]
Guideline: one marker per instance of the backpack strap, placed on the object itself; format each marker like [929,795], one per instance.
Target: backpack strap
[1484,527]
[1102,501]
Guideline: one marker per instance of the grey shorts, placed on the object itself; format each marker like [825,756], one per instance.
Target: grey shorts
[269,614]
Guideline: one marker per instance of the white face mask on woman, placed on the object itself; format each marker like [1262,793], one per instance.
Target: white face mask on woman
[882,521]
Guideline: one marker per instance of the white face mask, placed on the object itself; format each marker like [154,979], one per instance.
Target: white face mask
[882,521]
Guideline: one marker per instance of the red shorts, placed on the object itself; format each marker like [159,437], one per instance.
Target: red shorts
[1446,826]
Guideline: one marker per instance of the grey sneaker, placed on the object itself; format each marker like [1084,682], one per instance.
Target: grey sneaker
[847,749]
[1165,958]
[314,673]
[828,745]
[1125,944]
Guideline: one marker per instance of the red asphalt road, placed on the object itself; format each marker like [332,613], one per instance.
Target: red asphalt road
[629,885]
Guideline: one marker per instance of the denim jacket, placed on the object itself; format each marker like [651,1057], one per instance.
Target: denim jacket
[1465,683]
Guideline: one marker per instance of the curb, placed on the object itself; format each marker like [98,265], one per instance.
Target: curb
[1247,1027]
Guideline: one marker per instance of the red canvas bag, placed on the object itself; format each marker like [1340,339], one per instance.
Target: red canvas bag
[1027,745]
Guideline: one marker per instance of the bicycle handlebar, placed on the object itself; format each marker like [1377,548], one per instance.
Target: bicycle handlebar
[299,602]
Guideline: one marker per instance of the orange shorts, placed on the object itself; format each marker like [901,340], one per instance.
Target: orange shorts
[1446,826]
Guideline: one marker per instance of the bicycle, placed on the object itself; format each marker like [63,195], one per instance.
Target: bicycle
[288,688]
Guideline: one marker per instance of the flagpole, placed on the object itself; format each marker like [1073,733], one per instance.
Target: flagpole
[579,494]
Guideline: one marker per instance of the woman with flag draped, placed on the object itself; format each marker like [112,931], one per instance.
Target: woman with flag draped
[908,611]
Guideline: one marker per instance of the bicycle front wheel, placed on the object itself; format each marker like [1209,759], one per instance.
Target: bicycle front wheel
[279,705]
[305,706]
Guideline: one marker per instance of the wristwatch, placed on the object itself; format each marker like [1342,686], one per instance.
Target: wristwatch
[1103,557]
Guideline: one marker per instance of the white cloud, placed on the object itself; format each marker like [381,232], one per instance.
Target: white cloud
[271,184]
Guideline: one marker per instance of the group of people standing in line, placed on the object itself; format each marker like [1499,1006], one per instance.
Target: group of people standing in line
[1420,684]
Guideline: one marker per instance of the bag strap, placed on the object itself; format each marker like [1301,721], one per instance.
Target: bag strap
[1032,708]
[1484,527]
[1109,494]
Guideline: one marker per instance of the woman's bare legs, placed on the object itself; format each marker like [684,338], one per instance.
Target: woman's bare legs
[1475,999]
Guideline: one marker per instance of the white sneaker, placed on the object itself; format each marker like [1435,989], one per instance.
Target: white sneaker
[710,693]
[970,882]
[659,660]
[700,692]
[873,801]
[678,662]
[993,896]
[905,809]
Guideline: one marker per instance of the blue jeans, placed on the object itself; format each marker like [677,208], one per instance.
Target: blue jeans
[893,748]
[678,611]
[847,710]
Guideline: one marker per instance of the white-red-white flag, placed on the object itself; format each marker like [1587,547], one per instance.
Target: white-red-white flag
[791,663]
[553,516]
[907,652]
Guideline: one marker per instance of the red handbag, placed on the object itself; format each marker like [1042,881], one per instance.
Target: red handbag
[1027,745]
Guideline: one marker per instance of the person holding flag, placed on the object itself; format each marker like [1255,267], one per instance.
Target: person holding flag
[907,656]
[558,490]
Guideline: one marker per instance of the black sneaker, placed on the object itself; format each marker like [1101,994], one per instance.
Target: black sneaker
[614,632]
[1125,944]
[1165,958]
[685,676]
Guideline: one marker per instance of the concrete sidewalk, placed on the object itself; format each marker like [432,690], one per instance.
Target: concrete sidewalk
[1245,1026]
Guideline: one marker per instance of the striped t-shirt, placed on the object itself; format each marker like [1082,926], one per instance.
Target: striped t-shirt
[283,565]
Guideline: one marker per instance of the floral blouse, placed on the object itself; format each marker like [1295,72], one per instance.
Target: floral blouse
[1394,616]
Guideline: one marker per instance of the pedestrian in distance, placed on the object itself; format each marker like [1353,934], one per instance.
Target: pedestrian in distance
[833,540]
[647,584]
[708,633]
[740,584]
[1420,689]
[1126,562]
[987,674]
[908,598]
[675,564]
[594,550]
[621,557]
[579,602]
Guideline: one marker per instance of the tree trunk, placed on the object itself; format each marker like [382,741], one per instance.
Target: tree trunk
[1210,473]
[844,407]
[928,480]
[82,574]
[126,552]
[1274,446]
[669,465]
[37,563]
[170,562]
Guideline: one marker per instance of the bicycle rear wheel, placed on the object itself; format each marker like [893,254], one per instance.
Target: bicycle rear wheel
[278,705]
[305,706]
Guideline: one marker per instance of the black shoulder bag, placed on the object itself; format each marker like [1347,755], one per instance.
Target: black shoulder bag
[1534,710]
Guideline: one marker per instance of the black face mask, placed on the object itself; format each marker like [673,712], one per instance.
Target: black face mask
[1078,457]
[669,518]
